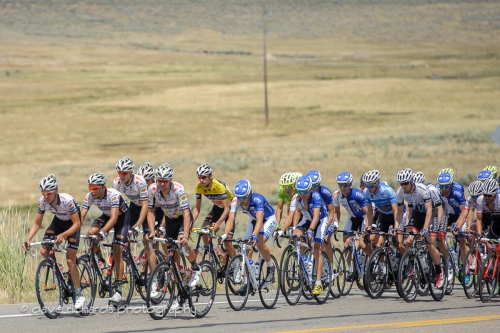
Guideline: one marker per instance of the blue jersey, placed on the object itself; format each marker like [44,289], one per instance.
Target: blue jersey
[353,203]
[257,204]
[326,195]
[383,198]
[315,201]
[454,200]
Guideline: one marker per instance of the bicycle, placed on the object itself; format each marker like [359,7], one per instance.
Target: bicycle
[166,277]
[55,286]
[355,263]
[382,267]
[240,272]
[489,272]
[472,264]
[453,260]
[299,273]
[416,270]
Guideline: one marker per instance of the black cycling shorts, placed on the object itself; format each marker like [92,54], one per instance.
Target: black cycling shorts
[58,226]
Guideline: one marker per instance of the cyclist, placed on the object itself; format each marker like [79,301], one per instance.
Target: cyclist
[485,175]
[217,192]
[285,193]
[114,216]
[136,189]
[147,172]
[65,224]
[326,195]
[424,212]
[384,198]
[452,174]
[488,204]
[353,200]
[172,199]
[261,224]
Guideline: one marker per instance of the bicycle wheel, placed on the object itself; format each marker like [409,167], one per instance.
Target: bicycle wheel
[360,281]
[306,289]
[48,289]
[269,293]
[408,276]
[451,275]
[292,279]
[350,270]
[438,293]
[326,278]
[487,282]
[338,274]
[141,283]
[288,249]
[203,294]
[126,284]
[87,286]
[162,281]
[376,273]
[236,283]
[470,276]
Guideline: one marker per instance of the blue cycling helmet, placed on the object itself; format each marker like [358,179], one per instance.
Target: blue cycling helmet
[445,179]
[344,178]
[315,176]
[484,175]
[304,183]
[242,188]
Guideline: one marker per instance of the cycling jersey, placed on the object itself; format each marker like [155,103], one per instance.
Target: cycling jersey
[383,198]
[257,204]
[137,191]
[112,199]
[217,193]
[66,206]
[173,204]
[283,197]
[353,203]
[470,203]
[326,195]
[454,200]
[417,199]
[315,201]
[483,208]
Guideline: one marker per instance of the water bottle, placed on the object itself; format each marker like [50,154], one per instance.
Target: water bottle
[252,267]
[136,261]
[143,262]
[362,261]
[257,270]
[309,268]
[184,276]
[423,260]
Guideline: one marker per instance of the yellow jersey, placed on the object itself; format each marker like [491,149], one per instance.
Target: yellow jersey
[216,193]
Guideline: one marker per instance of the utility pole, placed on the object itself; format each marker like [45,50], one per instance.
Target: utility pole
[264,32]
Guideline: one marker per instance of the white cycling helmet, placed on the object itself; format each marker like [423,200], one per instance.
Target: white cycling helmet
[147,171]
[405,175]
[419,177]
[490,186]
[97,179]
[164,171]
[48,183]
[371,177]
[204,170]
[125,164]
[476,188]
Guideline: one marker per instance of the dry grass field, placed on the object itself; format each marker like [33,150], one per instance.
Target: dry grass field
[353,85]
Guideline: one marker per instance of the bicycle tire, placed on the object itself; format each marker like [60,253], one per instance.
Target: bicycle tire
[338,274]
[269,295]
[50,300]
[235,281]
[438,293]
[306,290]
[292,279]
[286,251]
[127,285]
[470,288]
[408,276]
[487,282]
[451,271]
[203,294]
[326,279]
[87,286]
[141,283]
[375,282]
[350,269]
[164,278]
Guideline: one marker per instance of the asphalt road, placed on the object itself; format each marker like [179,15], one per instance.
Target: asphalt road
[356,312]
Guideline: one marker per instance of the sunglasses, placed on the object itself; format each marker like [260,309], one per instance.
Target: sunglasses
[47,194]
[315,185]
[371,186]
[124,173]
[302,191]
[344,185]
[242,198]
[288,188]
[94,187]
[488,195]
[202,177]
[163,181]
[444,186]
[474,196]
[404,184]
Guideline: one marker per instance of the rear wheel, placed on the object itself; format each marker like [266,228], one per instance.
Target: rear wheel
[487,282]
[408,276]
[142,283]
[87,285]
[470,274]
[292,278]
[125,282]
[160,291]
[338,274]
[288,249]
[48,289]
[236,288]
[376,273]
[438,293]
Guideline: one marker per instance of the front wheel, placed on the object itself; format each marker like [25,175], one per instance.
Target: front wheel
[237,283]
[338,273]
[376,273]
[48,289]
[351,270]
[160,291]
[87,285]
[470,273]
[438,293]
[487,282]
[269,288]
[203,294]
[142,283]
[123,285]
[408,276]
[292,279]
[325,279]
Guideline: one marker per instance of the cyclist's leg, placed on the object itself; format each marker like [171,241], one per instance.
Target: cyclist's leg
[95,227]
[229,245]
[367,249]
[73,242]
[264,234]
[120,239]
[318,237]
[212,217]
[442,229]
[50,234]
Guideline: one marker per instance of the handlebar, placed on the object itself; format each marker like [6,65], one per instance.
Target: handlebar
[58,247]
